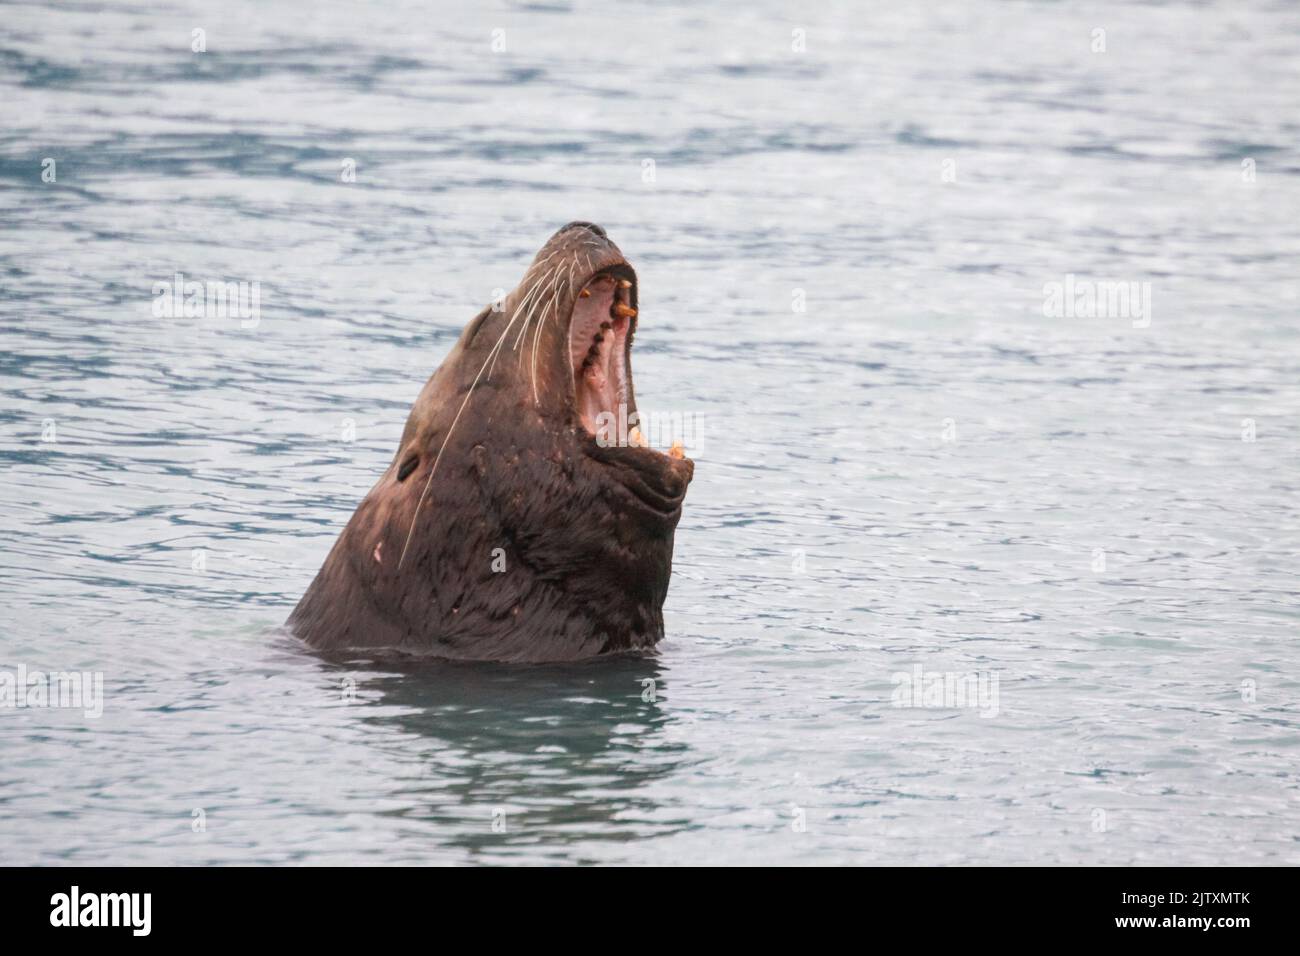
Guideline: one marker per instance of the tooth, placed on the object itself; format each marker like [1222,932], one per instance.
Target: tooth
[624,310]
[625,283]
[634,437]
[676,451]
[585,294]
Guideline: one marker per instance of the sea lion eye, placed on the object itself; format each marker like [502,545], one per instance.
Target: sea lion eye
[407,467]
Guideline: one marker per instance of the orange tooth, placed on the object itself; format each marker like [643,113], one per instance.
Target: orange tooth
[585,294]
[677,451]
[624,310]
[625,283]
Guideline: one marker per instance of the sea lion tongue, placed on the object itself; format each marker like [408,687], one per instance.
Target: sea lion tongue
[508,526]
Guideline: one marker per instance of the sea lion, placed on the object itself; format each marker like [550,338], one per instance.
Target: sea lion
[522,517]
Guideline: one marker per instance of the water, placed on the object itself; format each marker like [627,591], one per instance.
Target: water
[921,469]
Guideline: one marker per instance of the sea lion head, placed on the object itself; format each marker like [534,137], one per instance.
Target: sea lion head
[523,516]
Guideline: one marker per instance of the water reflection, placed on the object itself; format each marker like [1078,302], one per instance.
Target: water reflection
[525,756]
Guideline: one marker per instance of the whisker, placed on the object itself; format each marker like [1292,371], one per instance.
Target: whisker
[555,301]
[552,304]
[491,356]
[534,298]
[545,282]
[523,304]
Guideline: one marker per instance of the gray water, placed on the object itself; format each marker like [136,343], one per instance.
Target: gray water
[1095,516]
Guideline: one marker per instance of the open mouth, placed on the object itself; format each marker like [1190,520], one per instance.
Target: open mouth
[600,341]
[600,333]
[600,344]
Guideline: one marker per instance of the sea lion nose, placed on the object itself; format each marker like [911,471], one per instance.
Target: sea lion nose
[585,225]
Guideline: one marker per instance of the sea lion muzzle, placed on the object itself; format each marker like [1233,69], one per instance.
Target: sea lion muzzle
[523,516]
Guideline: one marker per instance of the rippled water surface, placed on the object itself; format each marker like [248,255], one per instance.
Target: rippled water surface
[917,469]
